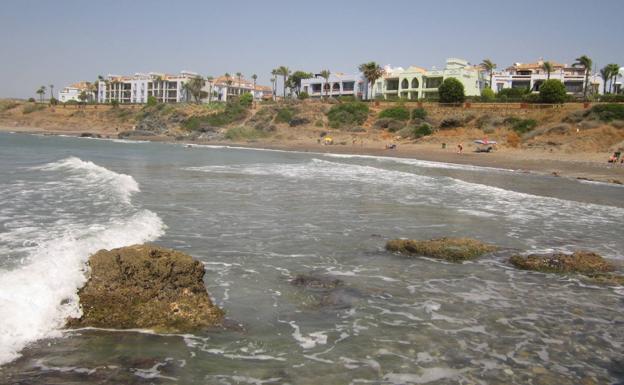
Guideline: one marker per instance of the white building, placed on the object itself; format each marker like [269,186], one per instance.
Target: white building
[338,84]
[224,87]
[532,75]
[73,91]
[138,87]
[416,83]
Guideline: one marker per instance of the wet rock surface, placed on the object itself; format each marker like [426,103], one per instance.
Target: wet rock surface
[449,249]
[145,286]
[591,265]
[327,292]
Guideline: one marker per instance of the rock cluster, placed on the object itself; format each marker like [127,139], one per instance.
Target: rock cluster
[144,286]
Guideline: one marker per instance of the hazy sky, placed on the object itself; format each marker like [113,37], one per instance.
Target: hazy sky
[61,41]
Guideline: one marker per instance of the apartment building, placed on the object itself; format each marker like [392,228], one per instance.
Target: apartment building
[73,91]
[532,75]
[223,88]
[416,83]
[137,88]
[338,84]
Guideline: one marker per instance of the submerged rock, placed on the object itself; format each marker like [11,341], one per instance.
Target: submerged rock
[591,265]
[327,292]
[316,282]
[450,249]
[144,286]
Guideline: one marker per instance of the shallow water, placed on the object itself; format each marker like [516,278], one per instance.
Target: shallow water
[258,218]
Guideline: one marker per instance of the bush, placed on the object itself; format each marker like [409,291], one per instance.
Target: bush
[419,113]
[151,101]
[389,124]
[32,107]
[114,103]
[511,94]
[552,91]
[487,95]
[608,112]
[398,113]
[54,101]
[303,95]
[285,115]
[521,126]
[451,91]
[610,98]
[350,114]
[420,131]
[246,99]
[532,98]
[31,100]
[450,123]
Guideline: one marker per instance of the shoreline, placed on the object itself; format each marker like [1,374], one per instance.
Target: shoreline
[582,166]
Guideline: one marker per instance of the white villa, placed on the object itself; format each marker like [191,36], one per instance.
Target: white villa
[416,83]
[73,91]
[338,84]
[224,87]
[532,75]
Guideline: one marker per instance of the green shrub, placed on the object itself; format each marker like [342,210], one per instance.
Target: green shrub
[451,91]
[151,101]
[450,122]
[285,115]
[521,126]
[511,94]
[532,98]
[244,133]
[32,107]
[610,98]
[351,113]
[246,99]
[54,101]
[552,91]
[31,100]
[303,95]
[398,113]
[608,112]
[114,103]
[419,113]
[487,95]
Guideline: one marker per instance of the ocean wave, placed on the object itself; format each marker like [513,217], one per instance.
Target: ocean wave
[91,173]
[40,292]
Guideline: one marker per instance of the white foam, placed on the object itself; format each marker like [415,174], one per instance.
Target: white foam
[91,173]
[39,294]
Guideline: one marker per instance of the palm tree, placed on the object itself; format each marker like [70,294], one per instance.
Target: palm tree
[605,74]
[548,68]
[51,91]
[274,82]
[41,91]
[371,71]
[585,62]
[228,79]
[283,72]
[254,77]
[615,72]
[489,66]
[239,76]
[325,75]
[209,79]
[194,87]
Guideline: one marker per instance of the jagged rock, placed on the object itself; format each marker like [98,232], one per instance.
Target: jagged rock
[145,286]
[592,266]
[450,249]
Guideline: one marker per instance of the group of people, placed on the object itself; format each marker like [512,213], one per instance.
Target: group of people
[615,158]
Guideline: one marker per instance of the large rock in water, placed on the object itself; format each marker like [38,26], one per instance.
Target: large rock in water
[450,249]
[145,286]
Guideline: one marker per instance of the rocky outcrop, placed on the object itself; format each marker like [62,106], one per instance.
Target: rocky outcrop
[450,249]
[590,265]
[145,286]
[134,133]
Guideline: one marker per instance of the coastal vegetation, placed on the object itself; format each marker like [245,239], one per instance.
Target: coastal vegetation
[451,91]
[552,91]
[347,114]
[449,249]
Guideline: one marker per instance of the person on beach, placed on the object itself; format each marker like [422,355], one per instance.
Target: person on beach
[460,148]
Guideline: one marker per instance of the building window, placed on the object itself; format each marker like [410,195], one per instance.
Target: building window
[404,84]
[415,84]
[433,82]
[348,86]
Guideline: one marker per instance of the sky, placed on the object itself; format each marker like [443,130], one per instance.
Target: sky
[64,41]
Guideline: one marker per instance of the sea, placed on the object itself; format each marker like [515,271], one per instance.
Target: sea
[257,219]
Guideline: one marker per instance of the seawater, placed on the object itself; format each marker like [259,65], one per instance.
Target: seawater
[258,218]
